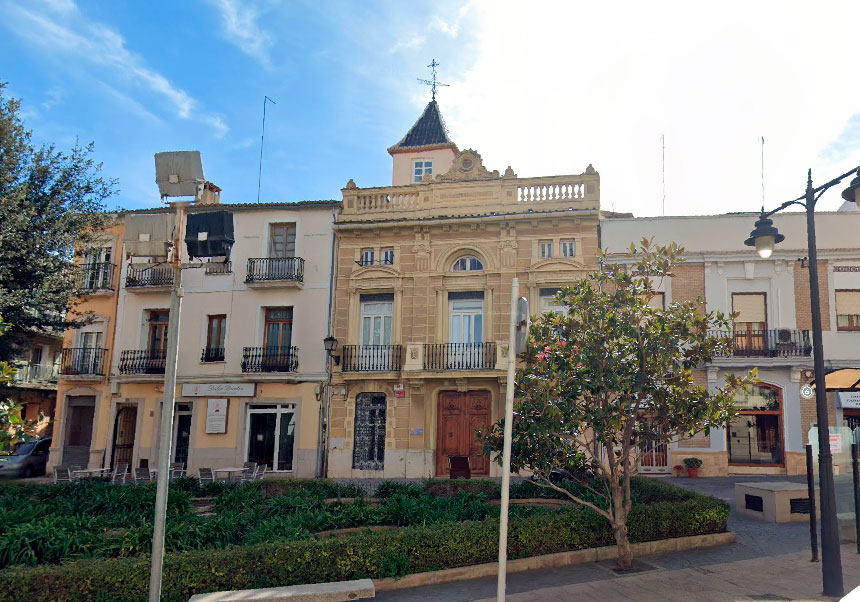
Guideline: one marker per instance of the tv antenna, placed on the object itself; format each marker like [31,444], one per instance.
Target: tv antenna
[432,81]
[262,137]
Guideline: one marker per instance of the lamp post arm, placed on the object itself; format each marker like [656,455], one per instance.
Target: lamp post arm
[813,194]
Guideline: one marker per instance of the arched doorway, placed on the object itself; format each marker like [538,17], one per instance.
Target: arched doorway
[124,428]
[755,435]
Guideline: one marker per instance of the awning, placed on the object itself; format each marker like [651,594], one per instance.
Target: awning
[843,379]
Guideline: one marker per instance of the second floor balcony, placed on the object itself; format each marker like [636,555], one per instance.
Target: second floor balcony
[149,277]
[275,271]
[142,361]
[97,276]
[776,342]
[35,374]
[83,361]
[371,358]
[270,359]
[460,356]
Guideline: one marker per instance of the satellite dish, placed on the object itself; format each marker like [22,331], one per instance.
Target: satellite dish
[179,173]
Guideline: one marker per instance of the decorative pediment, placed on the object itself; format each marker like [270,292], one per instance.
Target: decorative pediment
[468,165]
[375,271]
[557,264]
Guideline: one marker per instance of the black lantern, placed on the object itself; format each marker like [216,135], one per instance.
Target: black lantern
[852,193]
[764,237]
[209,234]
[330,344]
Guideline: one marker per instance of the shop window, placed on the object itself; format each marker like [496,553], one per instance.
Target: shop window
[848,310]
[368,451]
[272,435]
[755,433]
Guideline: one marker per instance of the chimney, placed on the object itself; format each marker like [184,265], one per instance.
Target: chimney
[210,195]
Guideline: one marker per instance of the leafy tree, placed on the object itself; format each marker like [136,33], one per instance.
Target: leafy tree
[13,428]
[609,374]
[51,207]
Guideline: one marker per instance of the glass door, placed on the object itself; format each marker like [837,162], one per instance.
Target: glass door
[272,435]
[467,333]
[182,434]
[90,354]
[376,320]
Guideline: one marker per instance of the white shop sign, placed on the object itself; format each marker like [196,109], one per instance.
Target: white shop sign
[216,415]
[209,389]
[849,399]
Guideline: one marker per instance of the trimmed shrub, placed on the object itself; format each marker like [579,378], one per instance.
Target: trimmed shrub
[322,488]
[451,487]
[368,554]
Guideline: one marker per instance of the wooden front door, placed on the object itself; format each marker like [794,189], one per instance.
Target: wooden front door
[460,415]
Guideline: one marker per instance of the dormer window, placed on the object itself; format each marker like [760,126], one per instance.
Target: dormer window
[468,264]
[419,168]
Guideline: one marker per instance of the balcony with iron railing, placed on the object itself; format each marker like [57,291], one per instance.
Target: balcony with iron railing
[776,342]
[142,361]
[98,276]
[371,358]
[35,374]
[270,359]
[212,354]
[150,277]
[275,271]
[83,361]
[459,356]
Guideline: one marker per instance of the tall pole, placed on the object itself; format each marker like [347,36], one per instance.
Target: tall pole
[262,137]
[166,438]
[831,561]
[506,452]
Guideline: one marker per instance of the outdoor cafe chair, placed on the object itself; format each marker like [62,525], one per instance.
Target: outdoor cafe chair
[142,476]
[261,471]
[177,470]
[62,475]
[119,474]
[206,475]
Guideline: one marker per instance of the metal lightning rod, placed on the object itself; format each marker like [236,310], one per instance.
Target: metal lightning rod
[262,137]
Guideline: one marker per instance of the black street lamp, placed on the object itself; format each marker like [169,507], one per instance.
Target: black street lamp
[763,238]
[330,344]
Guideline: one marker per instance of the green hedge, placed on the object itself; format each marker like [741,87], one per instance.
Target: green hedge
[369,554]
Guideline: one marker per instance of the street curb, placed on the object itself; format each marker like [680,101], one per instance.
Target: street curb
[546,561]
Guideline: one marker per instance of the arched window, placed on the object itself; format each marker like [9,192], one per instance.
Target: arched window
[755,433]
[469,263]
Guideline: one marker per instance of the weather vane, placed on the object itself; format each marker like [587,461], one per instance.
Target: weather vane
[432,82]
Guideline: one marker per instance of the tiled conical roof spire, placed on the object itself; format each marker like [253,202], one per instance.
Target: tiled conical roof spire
[428,132]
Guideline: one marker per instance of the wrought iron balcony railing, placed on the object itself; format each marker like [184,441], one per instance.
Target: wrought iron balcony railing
[35,373]
[142,361]
[460,356]
[81,361]
[270,359]
[272,269]
[96,276]
[212,354]
[149,276]
[777,342]
[371,358]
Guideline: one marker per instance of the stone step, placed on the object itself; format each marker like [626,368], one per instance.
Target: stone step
[339,591]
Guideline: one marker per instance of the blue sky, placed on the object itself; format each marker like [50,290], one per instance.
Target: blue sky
[544,87]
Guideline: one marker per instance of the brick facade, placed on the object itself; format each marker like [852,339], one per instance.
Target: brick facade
[803,307]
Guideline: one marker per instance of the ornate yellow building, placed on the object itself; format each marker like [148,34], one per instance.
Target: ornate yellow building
[422,299]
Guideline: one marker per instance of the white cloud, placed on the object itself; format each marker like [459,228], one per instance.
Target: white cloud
[70,35]
[554,87]
[239,21]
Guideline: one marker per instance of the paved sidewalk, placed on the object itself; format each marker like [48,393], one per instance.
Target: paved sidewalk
[785,577]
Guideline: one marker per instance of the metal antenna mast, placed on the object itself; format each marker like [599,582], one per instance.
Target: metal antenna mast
[762,173]
[262,137]
[663,140]
[432,82]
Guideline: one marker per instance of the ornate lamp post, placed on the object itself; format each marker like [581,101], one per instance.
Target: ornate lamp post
[763,238]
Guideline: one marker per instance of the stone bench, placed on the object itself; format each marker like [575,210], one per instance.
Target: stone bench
[339,591]
[774,501]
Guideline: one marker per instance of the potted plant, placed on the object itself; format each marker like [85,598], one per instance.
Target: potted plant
[692,465]
[676,470]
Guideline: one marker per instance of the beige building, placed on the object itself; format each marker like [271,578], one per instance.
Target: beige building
[422,299]
[772,331]
[252,368]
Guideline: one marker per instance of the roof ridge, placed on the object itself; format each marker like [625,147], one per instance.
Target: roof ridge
[429,130]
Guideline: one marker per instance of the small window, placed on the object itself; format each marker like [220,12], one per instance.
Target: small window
[658,301]
[848,310]
[388,256]
[545,247]
[468,264]
[367,256]
[420,168]
[568,248]
[282,240]
[215,332]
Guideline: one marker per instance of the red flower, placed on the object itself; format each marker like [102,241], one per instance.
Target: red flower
[563,344]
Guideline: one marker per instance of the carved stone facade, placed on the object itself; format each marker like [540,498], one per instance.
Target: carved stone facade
[413,254]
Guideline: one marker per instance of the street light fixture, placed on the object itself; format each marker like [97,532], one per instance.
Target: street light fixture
[763,238]
[330,344]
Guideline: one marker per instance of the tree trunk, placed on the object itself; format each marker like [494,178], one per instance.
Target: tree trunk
[625,552]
